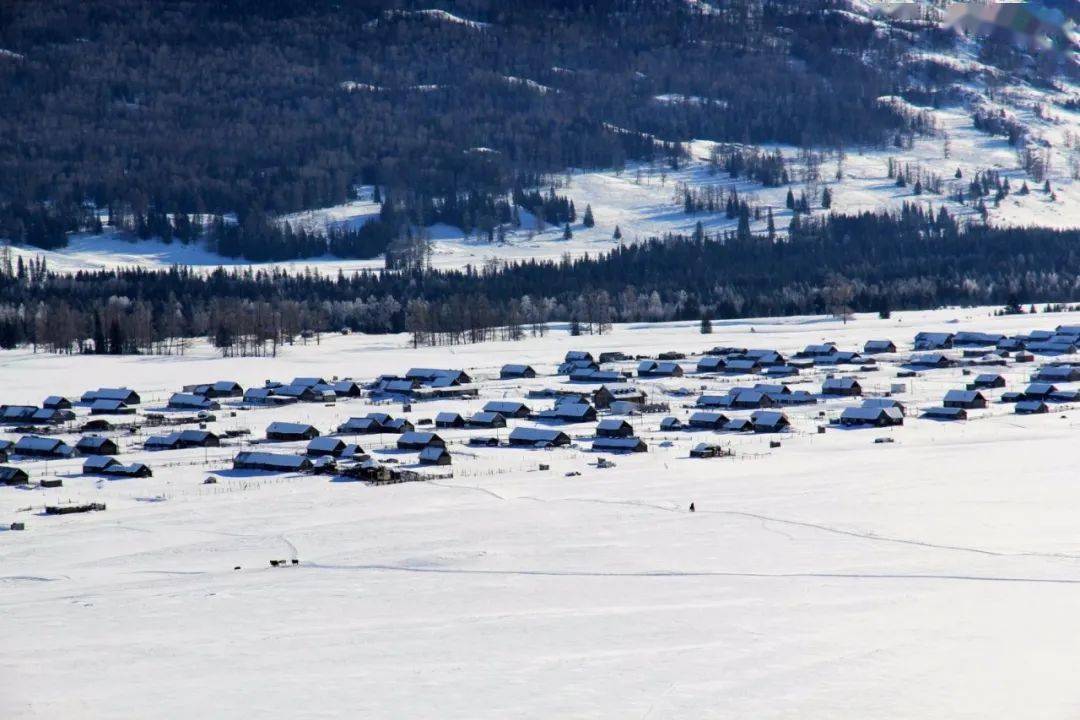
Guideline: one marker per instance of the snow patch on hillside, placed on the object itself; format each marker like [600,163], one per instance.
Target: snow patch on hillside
[353,86]
[435,14]
[961,64]
[703,7]
[679,99]
[531,84]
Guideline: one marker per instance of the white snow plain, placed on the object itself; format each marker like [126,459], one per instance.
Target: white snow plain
[832,577]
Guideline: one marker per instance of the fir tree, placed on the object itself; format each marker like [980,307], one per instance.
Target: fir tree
[617,235]
[742,232]
[587,219]
[790,201]
[567,233]
[99,335]
[706,325]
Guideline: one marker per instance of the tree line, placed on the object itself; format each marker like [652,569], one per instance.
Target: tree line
[913,258]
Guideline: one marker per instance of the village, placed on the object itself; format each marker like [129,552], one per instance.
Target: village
[581,409]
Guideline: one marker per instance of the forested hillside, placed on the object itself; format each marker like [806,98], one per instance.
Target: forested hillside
[260,107]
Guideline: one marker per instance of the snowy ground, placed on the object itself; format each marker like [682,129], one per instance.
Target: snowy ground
[936,576]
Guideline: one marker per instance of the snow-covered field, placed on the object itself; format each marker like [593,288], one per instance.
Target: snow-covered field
[935,576]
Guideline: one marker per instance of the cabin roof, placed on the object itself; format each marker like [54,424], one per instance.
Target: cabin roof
[288,428]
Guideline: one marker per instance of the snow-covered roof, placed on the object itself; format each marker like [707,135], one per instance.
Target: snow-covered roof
[288,428]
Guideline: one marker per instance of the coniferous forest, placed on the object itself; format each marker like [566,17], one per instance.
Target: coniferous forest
[172,115]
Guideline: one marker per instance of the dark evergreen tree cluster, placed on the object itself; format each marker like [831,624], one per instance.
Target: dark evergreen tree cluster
[751,163]
[551,208]
[998,122]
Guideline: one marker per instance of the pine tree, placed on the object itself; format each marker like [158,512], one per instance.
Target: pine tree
[1024,189]
[99,335]
[826,198]
[617,235]
[790,200]
[567,233]
[116,338]
[918,187]
[771,227]
[587,219]
[706,325]
[1046,187]
[884,310]
[743,230]
[958,174]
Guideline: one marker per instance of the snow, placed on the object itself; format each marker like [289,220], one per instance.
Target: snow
[353,86]
[451,18]
[436,14]
[705,8]
[531,84]
[113,250]
[678,99]
[830,577]
[962,64]
[11,54]
[350,215]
